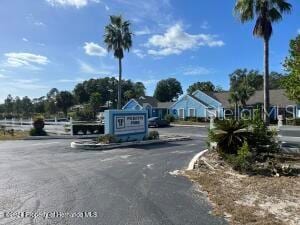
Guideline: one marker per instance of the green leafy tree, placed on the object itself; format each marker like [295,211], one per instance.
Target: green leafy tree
[129,94]
[81,94]
[9,104]
[64,100]
[95,102]
[266,12]
[202,86]
[52,93]
[118,38]
[139,89]
[27,106]
[292,66]
[18,106]
[168,90]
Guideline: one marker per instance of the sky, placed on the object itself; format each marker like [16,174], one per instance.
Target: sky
[58,43]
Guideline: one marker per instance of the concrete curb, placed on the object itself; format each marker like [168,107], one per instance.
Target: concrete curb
[61,137]
[101,147]
[183,125]
[192,163]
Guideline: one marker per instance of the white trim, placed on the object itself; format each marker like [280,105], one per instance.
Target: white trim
[179,113]
[207,96]
[130,102]
[188,97]
[189,113]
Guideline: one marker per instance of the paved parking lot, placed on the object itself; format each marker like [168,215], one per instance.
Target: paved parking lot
[122,186]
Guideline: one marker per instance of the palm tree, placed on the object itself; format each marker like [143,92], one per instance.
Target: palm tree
[118,38]
[266,12]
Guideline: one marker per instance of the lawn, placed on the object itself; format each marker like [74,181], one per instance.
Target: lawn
[18,135]
[248,200]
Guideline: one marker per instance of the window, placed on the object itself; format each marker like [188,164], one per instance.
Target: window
[192,112]
[181,113]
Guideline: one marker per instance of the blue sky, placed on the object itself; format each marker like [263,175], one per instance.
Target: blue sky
[58,43]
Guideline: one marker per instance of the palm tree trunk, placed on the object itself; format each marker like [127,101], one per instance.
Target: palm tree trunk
[119,84]
[266,82]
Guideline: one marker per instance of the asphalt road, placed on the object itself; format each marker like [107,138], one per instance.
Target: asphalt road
[132,186]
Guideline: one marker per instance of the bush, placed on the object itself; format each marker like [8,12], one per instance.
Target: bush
[37,132]
[84,128]
[170,118]
[153,135]
[107,139]
[230,135]
[85,114]
[38,127]
[39,123]
[243,160]
[262,139]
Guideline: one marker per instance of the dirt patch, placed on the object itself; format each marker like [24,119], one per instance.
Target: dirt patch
[248,200]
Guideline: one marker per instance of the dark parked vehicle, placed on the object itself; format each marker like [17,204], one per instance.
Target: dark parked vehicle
[157,122]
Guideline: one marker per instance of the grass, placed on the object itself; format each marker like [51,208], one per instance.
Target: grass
[18,135]
[249,200]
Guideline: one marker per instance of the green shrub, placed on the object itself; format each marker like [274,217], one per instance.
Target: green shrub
[85,114]
[38,123]
[38,127]
[84,128]
[153,135]
[262,140]
[3,129]
[243,160]
[37,132]
[229,135]
[170,118]
[107,139]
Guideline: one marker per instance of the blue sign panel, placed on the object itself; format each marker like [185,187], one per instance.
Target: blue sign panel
[126,125]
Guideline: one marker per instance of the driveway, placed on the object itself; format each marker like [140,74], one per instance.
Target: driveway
[132,186]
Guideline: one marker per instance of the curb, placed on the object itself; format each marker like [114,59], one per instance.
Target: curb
[182,125]
[67,137]
[192,163]
[101,147]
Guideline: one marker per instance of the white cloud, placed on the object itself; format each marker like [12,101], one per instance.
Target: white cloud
[144,31]
[139,53]
[22,87]
[75,3]
[21,59]
[299,31]
[89,69]
[94,49]
[25,39]
[205,25]
[196,71]
[32,20]
[2,76]
[107,8]
[76,80]
[39,24]
[176,40]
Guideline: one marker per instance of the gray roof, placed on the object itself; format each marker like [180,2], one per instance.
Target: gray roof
[143,101]
[221,97]
[277,97]
[164,105]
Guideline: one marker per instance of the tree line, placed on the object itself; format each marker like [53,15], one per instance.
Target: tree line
[91,94]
